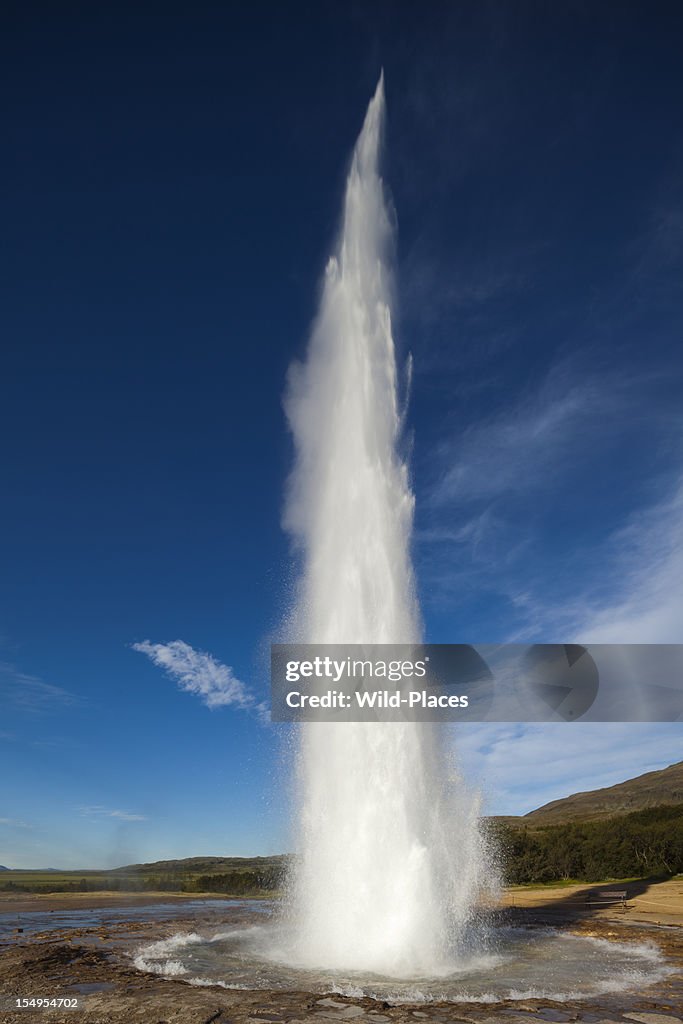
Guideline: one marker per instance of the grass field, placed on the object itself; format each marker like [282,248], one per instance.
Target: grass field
[224,875]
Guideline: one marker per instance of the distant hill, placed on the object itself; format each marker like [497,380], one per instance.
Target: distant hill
[201,864]
[653,789]
[3,868]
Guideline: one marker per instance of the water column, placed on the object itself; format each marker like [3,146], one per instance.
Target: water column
[388,862]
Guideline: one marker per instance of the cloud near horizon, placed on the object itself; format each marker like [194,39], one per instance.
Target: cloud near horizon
[201,674]
[575,757]
[98,811]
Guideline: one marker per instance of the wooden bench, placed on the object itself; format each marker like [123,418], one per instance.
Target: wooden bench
[609,896]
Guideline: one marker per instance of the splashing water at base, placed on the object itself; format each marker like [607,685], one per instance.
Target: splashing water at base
[521,964]
[390,856]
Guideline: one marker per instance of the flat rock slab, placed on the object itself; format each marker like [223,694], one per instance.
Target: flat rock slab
[653,1018]
[336,1010]
[348,1013]
[511,1017]
[304,1020]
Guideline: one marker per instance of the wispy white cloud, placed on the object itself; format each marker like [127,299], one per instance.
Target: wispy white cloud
[199,673]
[498,486]
[14,823]
[523,766]
[527,445]
[646,605]
[625,586]
[97,811]
[31,693]
[633,593]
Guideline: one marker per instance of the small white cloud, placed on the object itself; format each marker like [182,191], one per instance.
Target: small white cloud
[103,812]
[14,823]
[199,673]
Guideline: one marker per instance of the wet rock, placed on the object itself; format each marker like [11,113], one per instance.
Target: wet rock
[217,1018]
[653,1018]
[348,1013]
[335,1009]
[510,1018]
[82,962]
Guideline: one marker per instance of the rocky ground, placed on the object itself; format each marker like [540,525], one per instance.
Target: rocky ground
[94,966]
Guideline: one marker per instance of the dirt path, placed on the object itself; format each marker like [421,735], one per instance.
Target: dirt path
[651,903]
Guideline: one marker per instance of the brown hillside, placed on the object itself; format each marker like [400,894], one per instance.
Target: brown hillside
[654,788]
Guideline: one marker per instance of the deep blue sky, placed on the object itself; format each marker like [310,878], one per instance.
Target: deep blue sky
[171,184]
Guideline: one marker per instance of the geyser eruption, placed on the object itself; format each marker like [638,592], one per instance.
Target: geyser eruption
[390,857]
[350,503]
[391,862]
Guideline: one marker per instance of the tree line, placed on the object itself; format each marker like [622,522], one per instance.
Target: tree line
[238,882]
[639,844]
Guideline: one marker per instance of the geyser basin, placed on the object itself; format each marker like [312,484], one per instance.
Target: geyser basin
[519,964]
